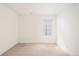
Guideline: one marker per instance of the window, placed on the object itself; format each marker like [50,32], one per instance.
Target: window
[47,27]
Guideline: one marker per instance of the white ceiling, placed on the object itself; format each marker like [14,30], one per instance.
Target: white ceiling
[38,8]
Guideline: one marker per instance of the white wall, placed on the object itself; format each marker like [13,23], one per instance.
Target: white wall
[68,30]
[30,29]
[8,29]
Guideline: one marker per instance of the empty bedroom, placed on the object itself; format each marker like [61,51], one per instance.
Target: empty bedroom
[39,29]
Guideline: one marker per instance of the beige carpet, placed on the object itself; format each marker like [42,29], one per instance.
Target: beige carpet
[35,50]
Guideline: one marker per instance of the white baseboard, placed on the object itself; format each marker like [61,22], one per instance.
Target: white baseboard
[66,50]
[9,47]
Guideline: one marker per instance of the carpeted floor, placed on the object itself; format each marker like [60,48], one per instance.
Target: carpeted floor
[35,50]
